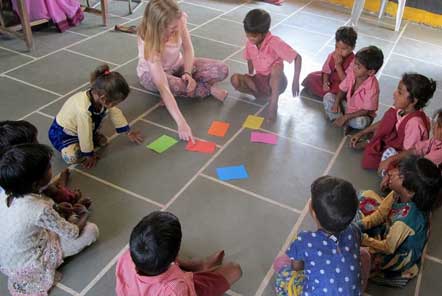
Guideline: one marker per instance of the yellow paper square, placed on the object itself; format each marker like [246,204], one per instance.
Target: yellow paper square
[253,122]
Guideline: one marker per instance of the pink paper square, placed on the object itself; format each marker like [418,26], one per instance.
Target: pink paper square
[259,137]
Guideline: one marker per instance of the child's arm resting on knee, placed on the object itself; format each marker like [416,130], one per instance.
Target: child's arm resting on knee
[380,215]
[348,116]
[397,234]
[51,220]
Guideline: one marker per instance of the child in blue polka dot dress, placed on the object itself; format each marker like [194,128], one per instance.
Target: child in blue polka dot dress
[326,261]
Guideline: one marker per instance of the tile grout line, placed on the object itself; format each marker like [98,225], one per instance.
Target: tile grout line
[434,259]
[202,6]
[245,101]
[66,289]
[214,40]
[252,194]
[30,84]
[421,269]
[305,30]
[17,52]
[172,130]
[215,18]
[45,114]
[421,41]
[391,76]
[119,188]
[417,59]
[103,271]
[298,223]
[90,57]
[237,61]
[76,33]
[232,293]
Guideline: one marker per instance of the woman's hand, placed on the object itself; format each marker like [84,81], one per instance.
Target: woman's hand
[135,137]
[191,83]
[184,132]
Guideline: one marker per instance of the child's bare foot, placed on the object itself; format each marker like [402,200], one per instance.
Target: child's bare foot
[63,179]
[79,209]
[100,140]
[213,260]
[85,201]
[65,209]
[74,219]
[219,93]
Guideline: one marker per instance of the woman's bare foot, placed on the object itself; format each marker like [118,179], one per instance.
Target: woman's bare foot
[63,179]
[219,93]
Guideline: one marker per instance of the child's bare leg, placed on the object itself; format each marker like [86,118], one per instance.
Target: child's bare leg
[277,85]
[208,263]
[244,84]
[63,179]
[231,272]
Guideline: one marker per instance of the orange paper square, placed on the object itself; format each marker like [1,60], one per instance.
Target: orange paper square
[219,128]
[201,146]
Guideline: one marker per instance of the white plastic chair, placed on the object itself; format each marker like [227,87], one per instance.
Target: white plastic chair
[358,6]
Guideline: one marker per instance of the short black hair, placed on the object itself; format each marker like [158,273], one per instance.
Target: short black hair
[371,57]
[347,35]
[257,21]
[16,132]
[424,178]
[334,202]
[155,243]
[419,87]
[21,166]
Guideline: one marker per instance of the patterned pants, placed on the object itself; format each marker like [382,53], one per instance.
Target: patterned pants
[206,72]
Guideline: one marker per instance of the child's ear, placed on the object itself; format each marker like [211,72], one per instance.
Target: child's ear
[371,72]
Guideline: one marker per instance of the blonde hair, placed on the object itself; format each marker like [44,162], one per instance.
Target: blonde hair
[157,16]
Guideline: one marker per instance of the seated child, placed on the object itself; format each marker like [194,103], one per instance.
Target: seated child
[75,130]
[34,239]
[151,265]
[22,132]
[357,101]
[396,228]
[330,256]
[402,126]
[265,54]
[333,71]
[430,149]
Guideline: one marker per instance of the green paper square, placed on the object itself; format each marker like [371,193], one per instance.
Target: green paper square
[162,144]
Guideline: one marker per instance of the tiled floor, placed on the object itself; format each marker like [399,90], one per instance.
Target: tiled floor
[251,219]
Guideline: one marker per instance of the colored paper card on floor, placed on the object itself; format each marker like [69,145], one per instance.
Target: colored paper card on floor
[253,122]
[267,138]
[162,144]
[201,146]
[219,128]
[232,173]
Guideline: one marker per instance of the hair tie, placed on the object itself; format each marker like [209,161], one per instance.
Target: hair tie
[106,72]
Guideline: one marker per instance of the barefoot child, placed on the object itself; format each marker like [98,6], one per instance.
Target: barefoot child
[333,71]
[403,125]
[326,261]
[357,101]
[151,265]
[265,54]
[396,228]
[34,239]
[75,130]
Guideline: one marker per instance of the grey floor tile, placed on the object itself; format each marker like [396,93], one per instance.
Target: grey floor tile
[222,5]
[60,72]
[93,24]
[79,270]
[328,10]
[228,216]
[240,13]
[397,65]
[111,41]
[9,60]
[105,286]
[315,23]
[371,26]
[306,43]
[431,284]
[135,104]
[423,33]
[375,290]
[45,41]
[304,120]
[411,48]
[18,99]
[289,7]
[364,41]
[200,113]
[270,288]
[197,14]
[145,170]
[211,30]
[211,49]
[43,123]
[434,243]
[348,166]
[239,68]
[121,8]
[387,87]
[263,162]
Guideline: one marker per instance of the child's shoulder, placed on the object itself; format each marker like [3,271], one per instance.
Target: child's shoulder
[275,40]
[79,100]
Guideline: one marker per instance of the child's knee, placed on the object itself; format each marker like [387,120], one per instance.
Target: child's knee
[235,80]
[92,232]
[71,154]
[231,271]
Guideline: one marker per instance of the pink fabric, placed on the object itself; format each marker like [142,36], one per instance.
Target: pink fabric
[173,282]
[63,13]
[326,67]
[366,97]
[415,130]
[273,50]
[430,149]
[171,59]
[280,262]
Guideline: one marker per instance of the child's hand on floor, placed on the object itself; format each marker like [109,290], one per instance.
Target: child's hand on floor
[135,137]
[184,132]
[90,162]
[340,121]
[354,140]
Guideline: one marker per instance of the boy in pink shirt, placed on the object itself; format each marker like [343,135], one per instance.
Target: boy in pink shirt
[151,265]
[357,101]
[265,54]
